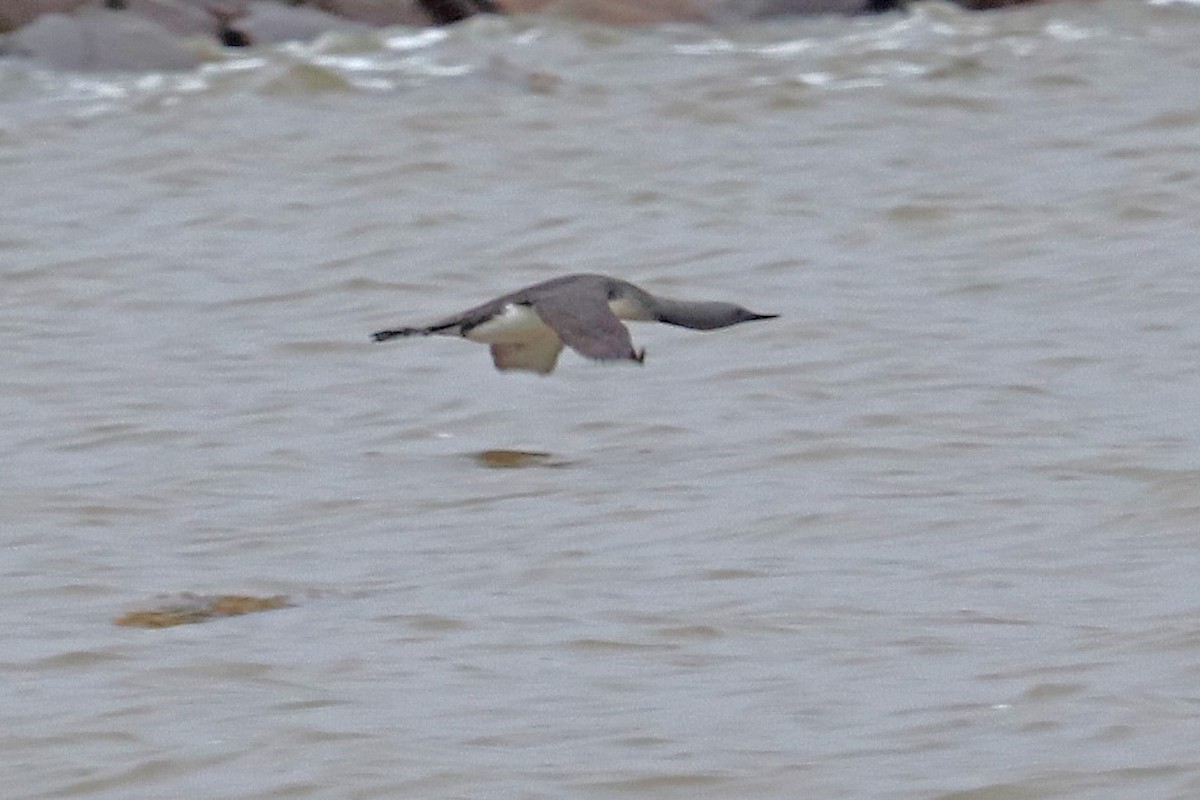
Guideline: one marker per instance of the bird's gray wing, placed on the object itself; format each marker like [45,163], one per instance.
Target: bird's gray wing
[582,319]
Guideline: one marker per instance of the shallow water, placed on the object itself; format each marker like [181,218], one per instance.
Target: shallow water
[933,533]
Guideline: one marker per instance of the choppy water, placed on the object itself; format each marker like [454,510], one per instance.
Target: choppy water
[933,534]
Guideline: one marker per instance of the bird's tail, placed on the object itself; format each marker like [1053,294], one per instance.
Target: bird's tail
[453,326]
[383,336]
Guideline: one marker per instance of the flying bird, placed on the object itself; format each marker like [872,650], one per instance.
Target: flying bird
[528,328]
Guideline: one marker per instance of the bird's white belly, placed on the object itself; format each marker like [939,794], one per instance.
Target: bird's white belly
[517,324]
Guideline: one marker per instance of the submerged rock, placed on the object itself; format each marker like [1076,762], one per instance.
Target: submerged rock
[446,12]
[514,459]
[189,609]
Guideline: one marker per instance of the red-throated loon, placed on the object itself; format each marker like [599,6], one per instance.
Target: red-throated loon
[528,328]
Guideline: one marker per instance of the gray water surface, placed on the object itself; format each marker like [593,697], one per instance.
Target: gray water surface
[935,533]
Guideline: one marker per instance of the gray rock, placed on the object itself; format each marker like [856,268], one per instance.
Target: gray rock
[15,13]
[97,39]
[180,17]
[267,22]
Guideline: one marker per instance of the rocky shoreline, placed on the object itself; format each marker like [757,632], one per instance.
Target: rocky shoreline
[151,34]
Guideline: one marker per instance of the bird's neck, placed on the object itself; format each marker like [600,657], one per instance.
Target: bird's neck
[698,316]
